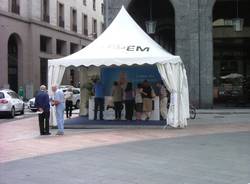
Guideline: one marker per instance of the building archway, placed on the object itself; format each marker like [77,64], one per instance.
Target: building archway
[231,53]
[163,13]
[14,51]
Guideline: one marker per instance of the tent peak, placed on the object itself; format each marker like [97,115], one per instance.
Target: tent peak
[123,42]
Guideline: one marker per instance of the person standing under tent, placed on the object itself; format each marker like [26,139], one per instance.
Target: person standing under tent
[163,95]
[117,95]
[138,101]
[147,99]
[69,102]
[129,101]
[43,106]
[98,90]
[58,101]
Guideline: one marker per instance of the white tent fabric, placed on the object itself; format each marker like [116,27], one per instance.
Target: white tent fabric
[55,75]
[174,78]
[125,43]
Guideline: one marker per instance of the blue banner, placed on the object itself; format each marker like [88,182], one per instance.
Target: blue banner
[125,74]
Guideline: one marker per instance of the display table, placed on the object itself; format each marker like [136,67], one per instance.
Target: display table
[109,114]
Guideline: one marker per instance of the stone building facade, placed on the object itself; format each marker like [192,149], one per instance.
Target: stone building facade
[33,31]
[192,29]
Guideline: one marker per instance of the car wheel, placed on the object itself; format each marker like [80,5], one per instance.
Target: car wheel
[77,104]
[12,112]
[22,111]
[33,110]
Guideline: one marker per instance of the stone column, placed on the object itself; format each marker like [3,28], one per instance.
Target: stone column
[83,81]
[4,35]
[187,43]
[206,53]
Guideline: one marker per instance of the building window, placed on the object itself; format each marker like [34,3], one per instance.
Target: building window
[103,27]
[14,6]
[43,71]
[103,10]
[94,28]
[60,15]
[85,24]
[94,5]
[73,20]
[61,46]
[84,2]
[45,10]
[45,44]
[73,48]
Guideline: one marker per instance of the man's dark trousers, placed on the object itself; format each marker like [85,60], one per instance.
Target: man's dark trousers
[99,105]
[44,122]
[69,107]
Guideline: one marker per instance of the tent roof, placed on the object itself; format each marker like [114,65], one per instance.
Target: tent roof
[122,43]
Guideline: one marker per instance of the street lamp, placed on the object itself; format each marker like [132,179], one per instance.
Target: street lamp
[150,24]
[238,22]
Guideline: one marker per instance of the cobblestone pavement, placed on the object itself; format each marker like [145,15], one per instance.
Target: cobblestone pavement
[211,150]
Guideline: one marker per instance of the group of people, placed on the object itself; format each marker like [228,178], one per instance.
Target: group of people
[139,99]
[43,103]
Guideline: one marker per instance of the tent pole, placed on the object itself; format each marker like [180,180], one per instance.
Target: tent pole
[179,87]
[83,82]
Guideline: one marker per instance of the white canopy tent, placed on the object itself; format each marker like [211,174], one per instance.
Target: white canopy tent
[125,43]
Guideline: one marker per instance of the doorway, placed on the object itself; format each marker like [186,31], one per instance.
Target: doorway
[231,54]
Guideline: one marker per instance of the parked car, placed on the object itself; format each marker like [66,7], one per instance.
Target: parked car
[31,105]
[76,96]
[10,103]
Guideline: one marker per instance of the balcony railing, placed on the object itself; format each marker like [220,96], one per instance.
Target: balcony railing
[74,27]
[46,18]
[15,8]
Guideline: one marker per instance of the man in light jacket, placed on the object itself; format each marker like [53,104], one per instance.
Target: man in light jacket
[58,101]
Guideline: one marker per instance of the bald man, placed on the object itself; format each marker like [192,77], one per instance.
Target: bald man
[43,106]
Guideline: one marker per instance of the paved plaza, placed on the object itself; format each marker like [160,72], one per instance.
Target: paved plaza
[213,149]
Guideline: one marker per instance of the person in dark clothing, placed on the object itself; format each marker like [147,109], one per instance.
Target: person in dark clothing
[129,101]
[99,99]
[43,106]
[69,102]
[147,99]
[117,95]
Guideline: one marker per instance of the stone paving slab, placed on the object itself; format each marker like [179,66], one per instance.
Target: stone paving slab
[224,111]
[20,139]
[198,159]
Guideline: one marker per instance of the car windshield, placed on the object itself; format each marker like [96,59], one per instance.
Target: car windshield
[13,95]
[1,95]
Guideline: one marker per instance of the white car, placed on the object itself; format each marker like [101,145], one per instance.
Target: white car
[76,96]
[76,99]
[10,103]
[31,105]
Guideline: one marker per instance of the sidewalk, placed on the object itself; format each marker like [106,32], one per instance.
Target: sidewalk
[223,111]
